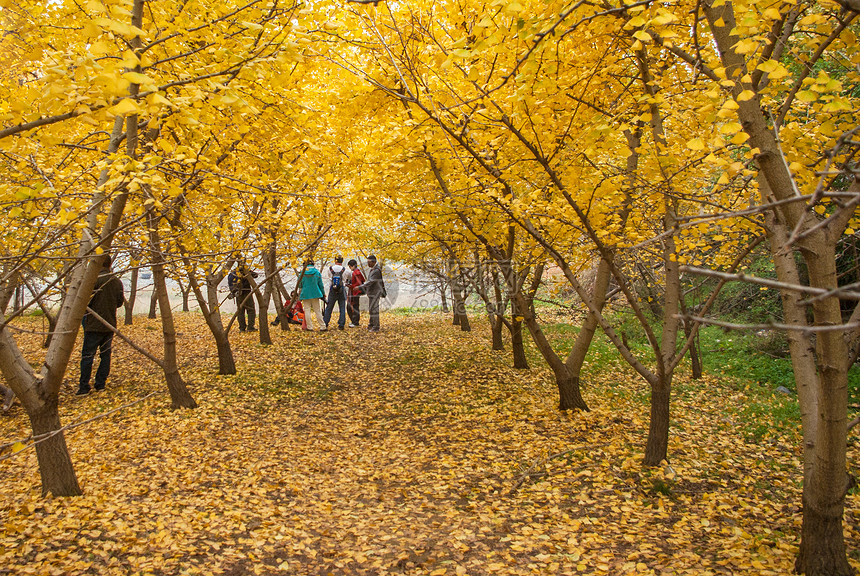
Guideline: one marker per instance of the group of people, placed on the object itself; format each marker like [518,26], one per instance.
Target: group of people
[311,305]
[346,286]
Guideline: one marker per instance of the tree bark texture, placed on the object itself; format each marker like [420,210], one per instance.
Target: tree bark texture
[496,327]
[517,346]
[55,463]
[657,446]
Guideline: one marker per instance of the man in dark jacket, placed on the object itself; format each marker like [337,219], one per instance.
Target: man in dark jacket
[374,287]
[108,295]
[239,283]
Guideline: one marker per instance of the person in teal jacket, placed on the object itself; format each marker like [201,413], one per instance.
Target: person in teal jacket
[311,292]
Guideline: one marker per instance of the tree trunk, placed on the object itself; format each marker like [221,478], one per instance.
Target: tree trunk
[576,358]
[185,291]
[695,360]
[465,326]
[132,296]
[569,395]
[179,395]
[52,328]
[153,303]
[55,464]
[263,315]
[822,546]
[210,307]
[823,395]
[517,347]
[271,291]
[496,326]
[226,363]
[444,294]
[657,446]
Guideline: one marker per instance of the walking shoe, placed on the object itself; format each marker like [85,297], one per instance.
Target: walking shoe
[100,388]
[82,391]
[353,326]
[340,327]
[252,329]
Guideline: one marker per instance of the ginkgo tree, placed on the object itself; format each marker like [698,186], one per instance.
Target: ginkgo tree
[117,64]
[678,89]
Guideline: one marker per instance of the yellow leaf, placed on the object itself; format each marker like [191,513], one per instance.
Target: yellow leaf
[125,107]
[635,22]
[807,96]
[730,128]
[159,100]
[696,144]
[740,138]
[137,78]
[17,447]
[746,95]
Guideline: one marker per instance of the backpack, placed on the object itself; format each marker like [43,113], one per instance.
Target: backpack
[233,283]
[337,280]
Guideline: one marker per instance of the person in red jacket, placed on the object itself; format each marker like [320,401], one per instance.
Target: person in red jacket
[353,307]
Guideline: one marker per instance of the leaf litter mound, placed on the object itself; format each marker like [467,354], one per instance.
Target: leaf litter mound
[413,451]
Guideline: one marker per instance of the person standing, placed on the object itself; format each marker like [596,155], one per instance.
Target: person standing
[108,295]
[239,284]
[353,306]
[310,293]
[374,287]
[336,294]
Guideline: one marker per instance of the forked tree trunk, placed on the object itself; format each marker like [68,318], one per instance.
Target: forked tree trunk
[210,307]
[576,358]
[55,464]
[132,296]
[569,395]
[185,291]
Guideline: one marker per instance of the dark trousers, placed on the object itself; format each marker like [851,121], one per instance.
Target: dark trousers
[353,308]
[336,296]
[246,306]
[374,311]
[101,341]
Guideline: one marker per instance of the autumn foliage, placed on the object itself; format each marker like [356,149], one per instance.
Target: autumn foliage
[418,450]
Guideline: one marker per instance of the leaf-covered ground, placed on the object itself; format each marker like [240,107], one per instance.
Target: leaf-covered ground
[413,451]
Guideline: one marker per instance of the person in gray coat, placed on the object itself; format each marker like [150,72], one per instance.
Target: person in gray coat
[374,287]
